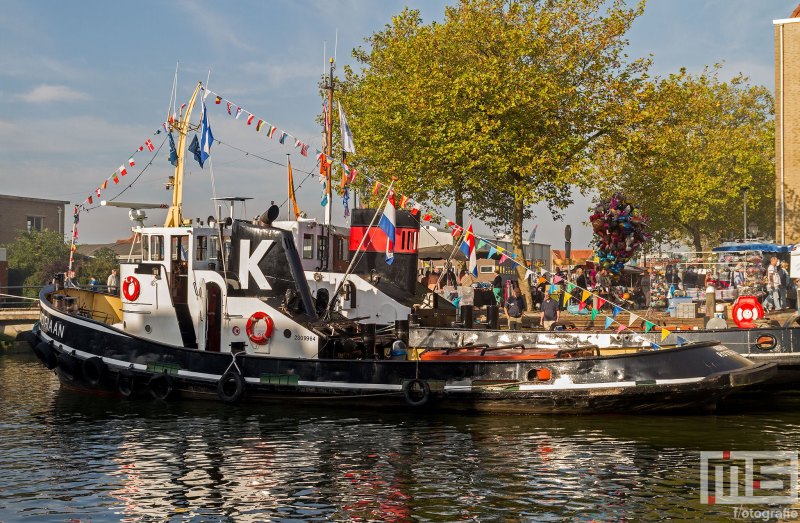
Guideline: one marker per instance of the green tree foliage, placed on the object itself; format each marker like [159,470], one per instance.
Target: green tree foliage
[99,266]
[700,143]
[503,105]
[35,256]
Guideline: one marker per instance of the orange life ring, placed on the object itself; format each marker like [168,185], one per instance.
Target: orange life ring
[251,322]
[131,294]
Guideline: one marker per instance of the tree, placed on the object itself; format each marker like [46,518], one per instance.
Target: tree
[98,266]
[702,142]
[501,106]
[35,256]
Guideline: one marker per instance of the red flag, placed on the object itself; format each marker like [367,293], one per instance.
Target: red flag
[375,188]
[115,178]
[600,303]
[141,148]
[250,119]
[229,108]
[427,218]
[450,223]
[122,170]
[304,149]
[98,192]
[218,100]
[403,202]
[131,162]
[149,145]
[414,211]
[90,200]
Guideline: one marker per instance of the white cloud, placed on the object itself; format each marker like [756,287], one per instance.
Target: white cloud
[47,93]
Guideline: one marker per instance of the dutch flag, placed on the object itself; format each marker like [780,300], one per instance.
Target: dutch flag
[468,248]
[387,225]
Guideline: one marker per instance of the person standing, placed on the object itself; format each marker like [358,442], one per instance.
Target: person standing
[783,277]
[773,286]
[550,312]
[497,287]
[112,282]
[514,307]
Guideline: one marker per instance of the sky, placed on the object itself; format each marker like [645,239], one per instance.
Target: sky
[84,84]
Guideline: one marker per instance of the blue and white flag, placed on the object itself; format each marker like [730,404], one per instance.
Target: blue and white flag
[348,145]
[387,225]
[206,138]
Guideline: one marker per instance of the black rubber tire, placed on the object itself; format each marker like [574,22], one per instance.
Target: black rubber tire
[231,387]
[94,370]
[126,383]
[160,386]
[46,354]
[68,366]
[793,321]
[417,392]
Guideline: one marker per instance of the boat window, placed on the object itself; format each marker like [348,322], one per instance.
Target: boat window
[322,242]
[342,249]
[202,247]
[156,247]
[146,248]
[213,249]
[178,246]
[308,246]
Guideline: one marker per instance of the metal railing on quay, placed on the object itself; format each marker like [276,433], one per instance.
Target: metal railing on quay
[14,296]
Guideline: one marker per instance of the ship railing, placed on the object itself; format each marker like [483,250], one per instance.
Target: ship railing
[20,296]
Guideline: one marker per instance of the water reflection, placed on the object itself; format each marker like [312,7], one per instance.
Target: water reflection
[68,457]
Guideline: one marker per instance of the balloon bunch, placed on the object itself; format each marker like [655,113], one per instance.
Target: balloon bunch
[619,229]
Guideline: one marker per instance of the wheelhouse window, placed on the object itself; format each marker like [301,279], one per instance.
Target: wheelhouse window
[202,248]
[35,223]
[146,248]
[156,247]
[308,246]
[322,244]
[342,249]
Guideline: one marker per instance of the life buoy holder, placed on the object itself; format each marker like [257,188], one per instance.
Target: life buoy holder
[131,288]
[746,309]
[259,339]
[417,392]
[231,387]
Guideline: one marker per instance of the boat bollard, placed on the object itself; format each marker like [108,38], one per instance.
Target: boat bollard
[369,339]
[492,316]
[401,330]
[467,316]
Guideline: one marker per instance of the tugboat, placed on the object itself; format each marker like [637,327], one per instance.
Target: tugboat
[224,311]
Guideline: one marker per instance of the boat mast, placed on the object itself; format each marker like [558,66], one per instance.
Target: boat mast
[174,216]
[328,171]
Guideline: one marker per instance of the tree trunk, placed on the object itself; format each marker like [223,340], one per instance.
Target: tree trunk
[516,242]
[459,217]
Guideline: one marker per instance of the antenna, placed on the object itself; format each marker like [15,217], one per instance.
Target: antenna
[136,212]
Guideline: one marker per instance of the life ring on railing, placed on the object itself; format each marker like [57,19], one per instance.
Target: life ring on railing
[131,294]
[417,392]
[94,370]
[259,339]
[230,387]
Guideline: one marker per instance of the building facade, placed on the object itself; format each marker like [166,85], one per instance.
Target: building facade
[787,129]
[19,214]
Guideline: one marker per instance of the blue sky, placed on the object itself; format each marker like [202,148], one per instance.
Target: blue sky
[82,84]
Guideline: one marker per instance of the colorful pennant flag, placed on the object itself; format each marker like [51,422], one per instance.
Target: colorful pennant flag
[492,251]
[217,100]
[122,170]
[567,297]
[427,218]
[608,321]
[648,325]
[115,178]
[131,162]
[621,328]
[250,119]
[557,278]
[600,303]
[664,334]
[282,139]
[259,125]
[376,188]
[616,310]
[271,131]
[229,107]
[634,319]
[149,145]
[585,295]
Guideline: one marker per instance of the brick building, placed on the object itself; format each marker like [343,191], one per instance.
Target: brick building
[787,129]
[19,213]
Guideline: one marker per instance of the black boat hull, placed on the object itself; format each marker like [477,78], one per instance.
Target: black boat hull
[92,356]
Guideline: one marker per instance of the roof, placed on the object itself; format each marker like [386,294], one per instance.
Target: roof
[440,252]
[575,254]
[34,200]
[120,248]
[744,247]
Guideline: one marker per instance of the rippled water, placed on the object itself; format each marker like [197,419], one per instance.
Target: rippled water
[68,457]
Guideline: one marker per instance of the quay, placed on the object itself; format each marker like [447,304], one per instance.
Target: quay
[12,323]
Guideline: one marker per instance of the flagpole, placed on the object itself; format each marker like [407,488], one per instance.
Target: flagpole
[289,208]
[329,150]
[351,266]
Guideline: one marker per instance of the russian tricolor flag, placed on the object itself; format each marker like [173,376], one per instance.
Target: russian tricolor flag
[387,225]
[468,248]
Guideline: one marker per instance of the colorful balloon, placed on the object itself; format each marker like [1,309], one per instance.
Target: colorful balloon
[619,230]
